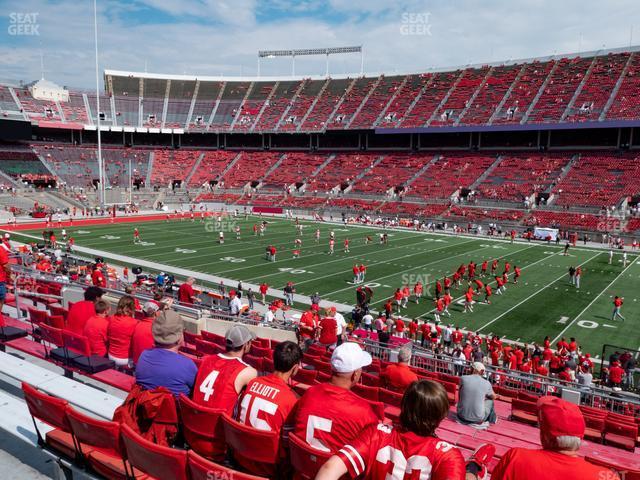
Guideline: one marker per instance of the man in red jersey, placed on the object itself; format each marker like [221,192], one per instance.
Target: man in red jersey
[222,377]
[483,268]
[268,401]
[356,273]
[487,294]
[468,301]
[97,277]
[561,431]
[263,292]
[329,414]
[456,337]
[494,266]
[517,271]
[410,450]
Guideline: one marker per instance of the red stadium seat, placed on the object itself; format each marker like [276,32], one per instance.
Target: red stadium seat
[53,342]
[255,450]
[523,411]
[304,375]
[305,459]
[105,455]
[85,361]
[202,469]
[594,430]
[52,411]
[621,435]
[255,362]
[202,429]
[155,460]
[56,321]
[370,393]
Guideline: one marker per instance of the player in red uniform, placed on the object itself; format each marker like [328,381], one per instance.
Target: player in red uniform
[363,271]
[329,415]
[346,245]
[471,268]
[136,236]
[483,269]
[517,271]
[500,282]
[494,266]
[479,285]
[487,294]
[468,301]
[397,297]
[332,243]
[438,289]
[417,291]
[447,284]
[507,267]
[410,450]
[439,309]
[406,293]
[447,299]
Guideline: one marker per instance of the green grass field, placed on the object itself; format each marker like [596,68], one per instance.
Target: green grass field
[542,303]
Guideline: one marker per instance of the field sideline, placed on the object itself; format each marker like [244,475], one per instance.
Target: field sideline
[542,303]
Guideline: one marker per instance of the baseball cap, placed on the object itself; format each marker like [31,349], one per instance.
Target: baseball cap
[150,308]
[232,293]
[349,357]
[238,335]
[558,417]
[167,328]
[478,366]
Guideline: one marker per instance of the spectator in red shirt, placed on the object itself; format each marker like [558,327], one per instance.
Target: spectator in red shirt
[616,374]
[399,327]
[5,275]
[398,376]
[142,338]
[96,329]
[328,332]
[186,293]
[97,277]
[120,331]
[309,325]
[263,291]
[561,431]
[81,311]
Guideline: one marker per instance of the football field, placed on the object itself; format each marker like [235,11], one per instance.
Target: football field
[542,303]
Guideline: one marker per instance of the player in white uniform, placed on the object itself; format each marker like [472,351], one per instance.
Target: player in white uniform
[317,235]
[221,238]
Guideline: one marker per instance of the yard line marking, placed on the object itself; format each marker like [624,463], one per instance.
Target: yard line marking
[593,301]
[533,295]
[492,282]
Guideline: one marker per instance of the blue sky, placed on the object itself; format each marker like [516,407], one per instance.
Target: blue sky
[222,37]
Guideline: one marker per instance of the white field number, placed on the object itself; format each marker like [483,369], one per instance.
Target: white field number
[232,259]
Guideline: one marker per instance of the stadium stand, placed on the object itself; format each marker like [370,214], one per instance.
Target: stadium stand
[170,165]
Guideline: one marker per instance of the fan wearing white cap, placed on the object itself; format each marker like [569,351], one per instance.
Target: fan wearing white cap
[475,405]
[330,415]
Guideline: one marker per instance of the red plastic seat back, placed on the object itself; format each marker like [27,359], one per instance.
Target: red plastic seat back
[201,425]
[213,338]
[208,348]
[249,444]
[96,433]
[305,459]
[37,316]
[304,375]
[390,398]
[51,335]
[202,469]
[629,430]
[56,321]
[154,460]
[76,343]
[50,410]
[55,310]
[369,393]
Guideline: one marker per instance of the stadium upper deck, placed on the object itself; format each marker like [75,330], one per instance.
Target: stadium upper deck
[597,88]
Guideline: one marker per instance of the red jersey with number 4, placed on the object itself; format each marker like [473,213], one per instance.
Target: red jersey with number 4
[267,404]
[215,382]
[385,452]
[328,417]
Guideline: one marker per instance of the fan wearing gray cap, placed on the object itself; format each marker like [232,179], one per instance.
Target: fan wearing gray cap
[222,377]
[475,405]
[163,366]
[330,415]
